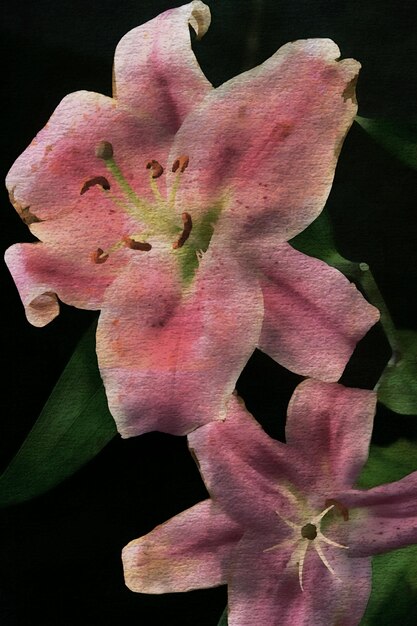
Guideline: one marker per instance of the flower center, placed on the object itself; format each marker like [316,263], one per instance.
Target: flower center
[309,531]
[154,217]
[306,534]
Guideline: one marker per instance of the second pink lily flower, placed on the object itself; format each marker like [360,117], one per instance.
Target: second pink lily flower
[168,207]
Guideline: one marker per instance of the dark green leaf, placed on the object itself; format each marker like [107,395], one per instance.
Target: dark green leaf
[387,464]
[398,138]
[397,387]
[394,574]
[223,619]
[394,589]
[74,425]
[317,240]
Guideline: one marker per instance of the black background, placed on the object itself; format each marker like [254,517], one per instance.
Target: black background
[60,554]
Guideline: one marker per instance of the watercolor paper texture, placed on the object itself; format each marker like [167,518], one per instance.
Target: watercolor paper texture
[201,197]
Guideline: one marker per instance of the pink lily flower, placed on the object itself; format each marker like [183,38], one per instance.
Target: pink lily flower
[284,529]
[168,208]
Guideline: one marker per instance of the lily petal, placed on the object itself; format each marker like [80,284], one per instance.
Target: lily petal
[331,426]
[42,273]
[156,72]
[314,316]
[193,550]
[49,175]
[239,461]
[286,142]
[274,596]
[172,367]
[384,518]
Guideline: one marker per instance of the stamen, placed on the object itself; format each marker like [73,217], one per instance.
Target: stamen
[104,150]
[97,180]
[319,517]
[99,256]
[137,245]
[319,551]
[283,544]
[155,167]
[340,508]
[288,522]
[188,224]
[301,557]
[330,542]
[180,164]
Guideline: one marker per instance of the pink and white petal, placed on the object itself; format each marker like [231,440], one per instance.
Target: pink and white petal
[331,426]
[265,587]
[173,367]
[247,472]
[42,273]
[383,518]
[281,126]
[314,316]
[193,550]
[49,175]
[155,70]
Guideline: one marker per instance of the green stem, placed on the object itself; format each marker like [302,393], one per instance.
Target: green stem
[375,297]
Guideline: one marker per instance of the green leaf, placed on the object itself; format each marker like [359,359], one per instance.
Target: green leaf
[74,425]
[397,387]
[398,138]
[394,589]
[223,619]
[317,240]
[394,574]
[387,464]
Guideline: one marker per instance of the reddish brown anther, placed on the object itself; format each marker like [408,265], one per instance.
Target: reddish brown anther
[157,169]
[340,508]
[99,256]
[137,245]
[188,224]
[180,164]
[97,180]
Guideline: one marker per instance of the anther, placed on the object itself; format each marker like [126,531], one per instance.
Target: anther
[99,256]
[137,245]
[188,224]
[180,164]
[104,150]
[309,531]
[340,508]
[97,180]
[157,169]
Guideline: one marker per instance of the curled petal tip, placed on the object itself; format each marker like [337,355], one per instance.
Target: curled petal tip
[200,18]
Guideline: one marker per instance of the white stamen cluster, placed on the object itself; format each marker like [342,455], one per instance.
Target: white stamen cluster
[301,542]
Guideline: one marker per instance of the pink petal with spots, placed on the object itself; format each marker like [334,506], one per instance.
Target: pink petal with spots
[383,518]
[50,174]
[249,474]
[314,316]
[331,426]
[171,363]
[267,141]
[191,551]
[42,273]
[156,72]
[265,588]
